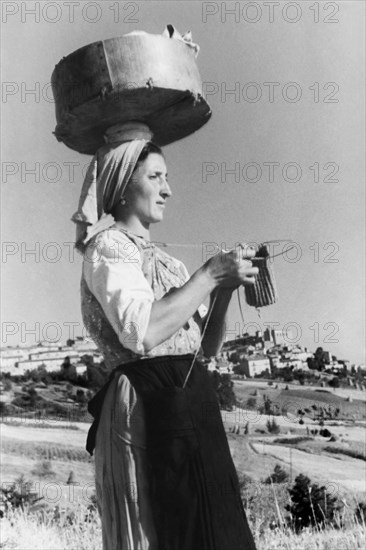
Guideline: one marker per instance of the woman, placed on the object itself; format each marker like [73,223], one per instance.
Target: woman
[164,475]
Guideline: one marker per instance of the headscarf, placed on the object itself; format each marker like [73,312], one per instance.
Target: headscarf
[107,177]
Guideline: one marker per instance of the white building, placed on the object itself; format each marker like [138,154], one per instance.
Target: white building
[278,337]
[255,364]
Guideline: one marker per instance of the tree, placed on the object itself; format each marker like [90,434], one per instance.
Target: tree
[3,409]
[225,392]
[32,393]
[287,374]
[267,405]
[318,361]
[311,504]
[68,370]
[239,369]
[224,389]
[97,375]
[80,397]
[334,382]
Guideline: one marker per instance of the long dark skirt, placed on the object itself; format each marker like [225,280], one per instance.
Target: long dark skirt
[194,484]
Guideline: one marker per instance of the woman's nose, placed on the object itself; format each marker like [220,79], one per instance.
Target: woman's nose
[165,190]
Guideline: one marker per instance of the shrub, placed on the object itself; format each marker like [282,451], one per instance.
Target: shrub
[19,494]
[311,504]
[325,432]
[245,481]
[251,403]
[360,512]
[272,426]
[292,440]
[7,384]
[279,475]
[43,469]
[92,507]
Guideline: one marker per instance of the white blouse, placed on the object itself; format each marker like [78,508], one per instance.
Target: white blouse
[113,272]
[125,274]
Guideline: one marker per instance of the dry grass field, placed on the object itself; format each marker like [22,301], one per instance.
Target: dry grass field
[61,520]
[24,532]
[350,402]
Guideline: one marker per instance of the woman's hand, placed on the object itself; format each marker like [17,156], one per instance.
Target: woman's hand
[232,268]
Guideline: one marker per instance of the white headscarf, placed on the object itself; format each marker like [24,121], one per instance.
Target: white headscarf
[107,177]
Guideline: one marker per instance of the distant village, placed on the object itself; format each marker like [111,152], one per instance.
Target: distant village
[248,355]
[52,356]
[270,352]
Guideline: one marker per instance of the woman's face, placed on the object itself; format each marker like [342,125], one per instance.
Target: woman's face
[148,190]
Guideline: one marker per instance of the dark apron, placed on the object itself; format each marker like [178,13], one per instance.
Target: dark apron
[194,484]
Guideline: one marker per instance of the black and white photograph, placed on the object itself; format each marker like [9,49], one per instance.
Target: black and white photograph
[182,359]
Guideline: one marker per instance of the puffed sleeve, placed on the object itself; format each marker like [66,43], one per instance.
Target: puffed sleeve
[112,270]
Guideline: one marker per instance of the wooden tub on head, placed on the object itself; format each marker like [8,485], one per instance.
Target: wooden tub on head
[139,76]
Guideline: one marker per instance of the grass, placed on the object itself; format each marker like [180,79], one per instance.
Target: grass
[39,424]
[80,530]
[23,530]
[355,449]
[300,398]
[329,539]
[70,527]
[344,451]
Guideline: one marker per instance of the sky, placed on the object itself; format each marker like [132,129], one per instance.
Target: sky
[282,157]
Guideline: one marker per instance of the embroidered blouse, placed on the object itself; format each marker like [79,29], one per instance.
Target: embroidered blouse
[122,275]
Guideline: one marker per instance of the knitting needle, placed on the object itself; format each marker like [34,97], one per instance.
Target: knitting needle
[181,245]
